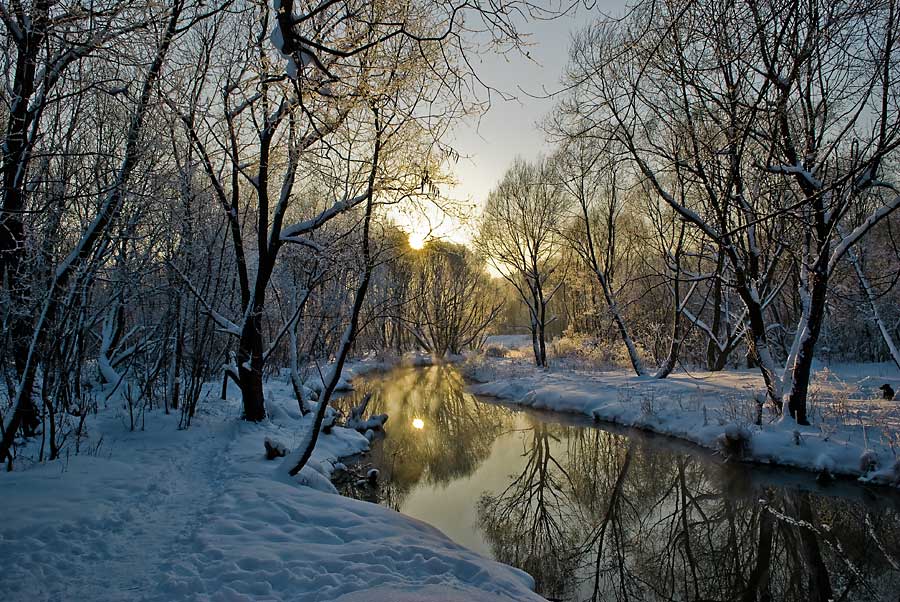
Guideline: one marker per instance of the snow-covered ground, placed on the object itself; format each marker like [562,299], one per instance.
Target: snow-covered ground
[200,514]
[854,432]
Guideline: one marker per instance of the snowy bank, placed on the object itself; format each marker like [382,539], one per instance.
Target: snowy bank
[200,514]
[854,433]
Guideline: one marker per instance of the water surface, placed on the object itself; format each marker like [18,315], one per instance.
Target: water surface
[601,513]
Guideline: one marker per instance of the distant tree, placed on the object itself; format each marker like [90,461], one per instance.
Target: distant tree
[452,301]
[520,235]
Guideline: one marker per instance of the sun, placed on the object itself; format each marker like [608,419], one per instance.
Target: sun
[416,240]
[418,423]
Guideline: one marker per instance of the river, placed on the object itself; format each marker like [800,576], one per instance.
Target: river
[596,512]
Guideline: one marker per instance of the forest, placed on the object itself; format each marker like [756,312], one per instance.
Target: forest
[206,203]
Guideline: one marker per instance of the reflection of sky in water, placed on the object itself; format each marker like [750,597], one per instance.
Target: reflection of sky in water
[452,508]
[554,481]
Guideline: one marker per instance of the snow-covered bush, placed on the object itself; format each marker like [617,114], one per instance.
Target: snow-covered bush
[274,449]
[868,461]
[374,423]
[735,443]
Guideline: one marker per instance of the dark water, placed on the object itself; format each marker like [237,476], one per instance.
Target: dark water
[608,514]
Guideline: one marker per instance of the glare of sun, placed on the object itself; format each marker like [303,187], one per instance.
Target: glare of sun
[416,240]
[418,423]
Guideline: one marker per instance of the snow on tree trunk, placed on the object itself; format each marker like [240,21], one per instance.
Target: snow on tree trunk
[876,314]
[802,367]
[250,368]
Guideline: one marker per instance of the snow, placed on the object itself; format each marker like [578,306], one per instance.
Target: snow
[199,514]
[372,423]
[293,231]
[850,421]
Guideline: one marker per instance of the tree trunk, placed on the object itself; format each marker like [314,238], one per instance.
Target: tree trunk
[714,360]
[758,343]
[178,353]
[250,368]
[535,347]
[672,358]
[802,367]
[542,338]
[719,363]
[16,157]
[537,336]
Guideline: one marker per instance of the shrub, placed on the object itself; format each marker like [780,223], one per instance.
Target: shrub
[735,442]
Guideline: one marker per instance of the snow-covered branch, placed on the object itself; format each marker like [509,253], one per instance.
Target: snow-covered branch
[224,323]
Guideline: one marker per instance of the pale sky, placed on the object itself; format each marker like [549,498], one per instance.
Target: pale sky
[510,128]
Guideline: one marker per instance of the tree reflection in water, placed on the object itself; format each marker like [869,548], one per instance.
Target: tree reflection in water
[455,437]
[597,515]
[532,524]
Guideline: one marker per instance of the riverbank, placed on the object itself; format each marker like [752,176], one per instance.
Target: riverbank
[164,514]
[590,509]
[853,433]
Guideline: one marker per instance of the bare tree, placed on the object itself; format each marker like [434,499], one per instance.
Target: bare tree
[94,232]
[520,234]
[590,177]
[47,43]
[451,301]
[775,133]
[286,154]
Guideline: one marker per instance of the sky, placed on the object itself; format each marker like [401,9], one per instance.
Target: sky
[510,128]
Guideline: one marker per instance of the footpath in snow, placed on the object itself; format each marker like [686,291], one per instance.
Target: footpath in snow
[853,431]
[164,514]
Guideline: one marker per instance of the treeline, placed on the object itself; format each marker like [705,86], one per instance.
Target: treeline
[724,183]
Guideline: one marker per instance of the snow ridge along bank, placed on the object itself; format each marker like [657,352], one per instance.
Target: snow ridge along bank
[199,514]
[854,432]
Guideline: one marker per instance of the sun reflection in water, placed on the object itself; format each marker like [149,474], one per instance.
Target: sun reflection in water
[417,242]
